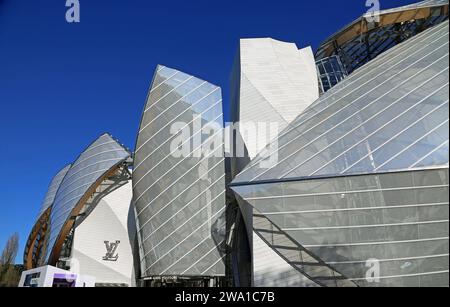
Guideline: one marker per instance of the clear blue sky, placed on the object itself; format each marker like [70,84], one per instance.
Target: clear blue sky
[62,85]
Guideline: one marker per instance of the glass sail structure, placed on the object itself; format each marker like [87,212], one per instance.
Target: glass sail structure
[179,178]
[376,230]
[392,114]
[36,241]
[376,32]
[99,160]
[53,188]
[272,83]
[362,181]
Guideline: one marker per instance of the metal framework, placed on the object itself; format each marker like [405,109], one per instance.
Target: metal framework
[36,242]
[115,179]
[365,39]
[72,196]
[297,256]
[64,241]
[331,71]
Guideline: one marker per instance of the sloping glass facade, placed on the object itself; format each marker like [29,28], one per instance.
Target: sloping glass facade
[272,83]
[359,195]
[392,114]
[396,222]
[80,181]
[180,197]
[53,188]
[34,248]
[308,265]
[362,181]
[375,33]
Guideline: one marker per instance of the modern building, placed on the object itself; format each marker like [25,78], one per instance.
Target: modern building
[362,181]
[356,192]
[34,249]
[275,78]
[179,182]
[331,72]
[87,226]
[272,83]
[373,34]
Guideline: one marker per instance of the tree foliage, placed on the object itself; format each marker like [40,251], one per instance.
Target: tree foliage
[9,272]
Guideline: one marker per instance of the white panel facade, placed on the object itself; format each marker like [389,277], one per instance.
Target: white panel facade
[277,82]
[111,221]
[381,139]
[96,161]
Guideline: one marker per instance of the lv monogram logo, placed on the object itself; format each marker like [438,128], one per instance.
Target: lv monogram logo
[111,249]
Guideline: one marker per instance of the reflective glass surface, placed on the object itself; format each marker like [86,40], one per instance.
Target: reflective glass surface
[399,221]
[53,188]
[331,72]
[99,158]
[180,199]
[392,114]
[364,39]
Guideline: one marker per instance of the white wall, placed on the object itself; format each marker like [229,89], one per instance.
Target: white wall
[277,83]
[109,221]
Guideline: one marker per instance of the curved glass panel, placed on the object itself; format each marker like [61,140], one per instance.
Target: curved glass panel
[180,194]
[397,221]
[391,115]
[376,32]
[99,158]
[39,233]
[53,188]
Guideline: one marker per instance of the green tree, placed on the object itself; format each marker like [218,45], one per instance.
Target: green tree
[9,273]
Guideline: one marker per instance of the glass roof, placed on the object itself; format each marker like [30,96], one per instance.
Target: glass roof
[53,188]
[391,114]
[100,157]
[421,4]
[418,5]
[180,198]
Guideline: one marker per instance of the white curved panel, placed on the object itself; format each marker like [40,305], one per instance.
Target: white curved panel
[277,82]
[274,83]
[96,161]
[112,222]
